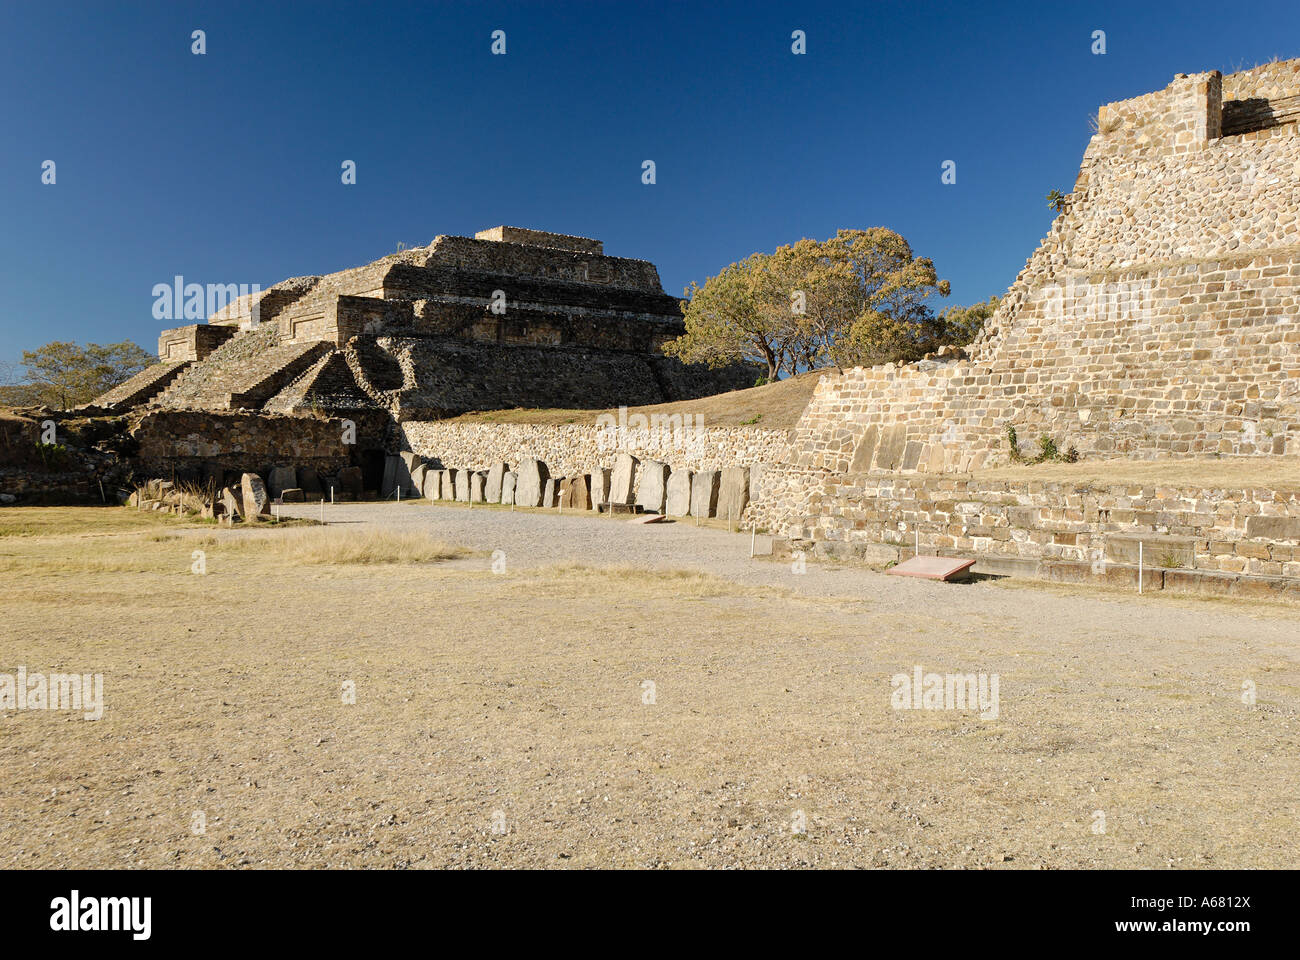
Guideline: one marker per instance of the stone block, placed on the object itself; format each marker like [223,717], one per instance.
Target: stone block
[508,487]
[704,494]
[257,502]
[232,503]
[350,482]
[477,485]
[460,479]
[621,489]
[531,482]
[600,487]
[551,491]
[733,494]
[293,495]
[393,470]
[447,486]
[280,479]
[1273,528]
[309,481]
[678,498]
[652,486]
[432,487]
[492,488]
[417,479]
[575,492]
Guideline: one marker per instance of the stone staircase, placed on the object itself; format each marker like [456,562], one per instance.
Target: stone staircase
[244,372]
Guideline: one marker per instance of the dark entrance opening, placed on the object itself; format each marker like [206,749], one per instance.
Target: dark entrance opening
[372,469]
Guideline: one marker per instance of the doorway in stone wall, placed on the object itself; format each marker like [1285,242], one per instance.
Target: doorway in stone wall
[372,469]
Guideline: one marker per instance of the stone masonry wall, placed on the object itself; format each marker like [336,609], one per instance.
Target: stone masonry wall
[570,449]
[1160,316]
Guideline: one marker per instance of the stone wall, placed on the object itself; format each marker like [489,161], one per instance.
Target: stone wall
[1160,317]
[569,449]
[1061,531]
[184,441]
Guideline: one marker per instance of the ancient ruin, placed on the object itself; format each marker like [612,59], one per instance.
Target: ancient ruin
[508,318]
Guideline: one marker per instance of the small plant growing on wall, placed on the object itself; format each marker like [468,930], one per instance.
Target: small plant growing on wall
[1013,445]
[1058,201]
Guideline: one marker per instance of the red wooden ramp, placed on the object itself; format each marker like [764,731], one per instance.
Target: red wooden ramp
[933,568]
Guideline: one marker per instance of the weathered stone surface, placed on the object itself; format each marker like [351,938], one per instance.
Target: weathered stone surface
[550,492]
[678,498]
[531,483]
[621,480]
[492,488]
[418,473]
[257,502]
[461,480]
[279,479]
[575,492]
[704,494]
[448,485]
[508,487]
[600,487]
[733,494]
[652,482]
[432,486]
[232,502]
[393,470]
[477,484]
[293,495]
[350,482]
[1273,528]
[309,480]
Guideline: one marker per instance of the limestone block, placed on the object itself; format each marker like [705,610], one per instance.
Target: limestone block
[651,489]
[280,479]
[431,489]
[531,483]
[704,494]
[508,487]
[293,495]
[447,489]
[462,485]
[551,492]
[350,482]
[677,501]
[393,468]
[477,482]
[575,492]
[599,487]
[621,479]
[417,479]
[492,488]
[232,503]
[257,502]
[309,480]
[734,492]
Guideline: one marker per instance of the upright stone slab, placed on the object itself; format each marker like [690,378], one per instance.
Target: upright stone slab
[492,488]
[417,479]
[531,483]
[734,492]
[651,488]
[575,492]
[462,485]
[293,495]
[309,481]
[432,488]
[677,502]
[508,487]
[232,503]
[257,502]
[281,479]
[550,492]
[621,479]
[704,494]
[448,491]
[350,482]
[599,487]
[393,468]
[477,483]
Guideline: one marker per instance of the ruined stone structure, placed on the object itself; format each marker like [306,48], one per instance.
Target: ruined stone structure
[509,318]
[1159,318]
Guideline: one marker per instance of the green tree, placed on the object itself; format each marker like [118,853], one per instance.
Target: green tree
[961,325]
[64,374]
[859,297]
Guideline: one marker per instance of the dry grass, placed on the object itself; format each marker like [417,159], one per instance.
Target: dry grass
[1239,472]
[326,545]
[774,406]
[525,693]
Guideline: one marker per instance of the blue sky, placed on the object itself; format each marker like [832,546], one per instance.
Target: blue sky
[225,168]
